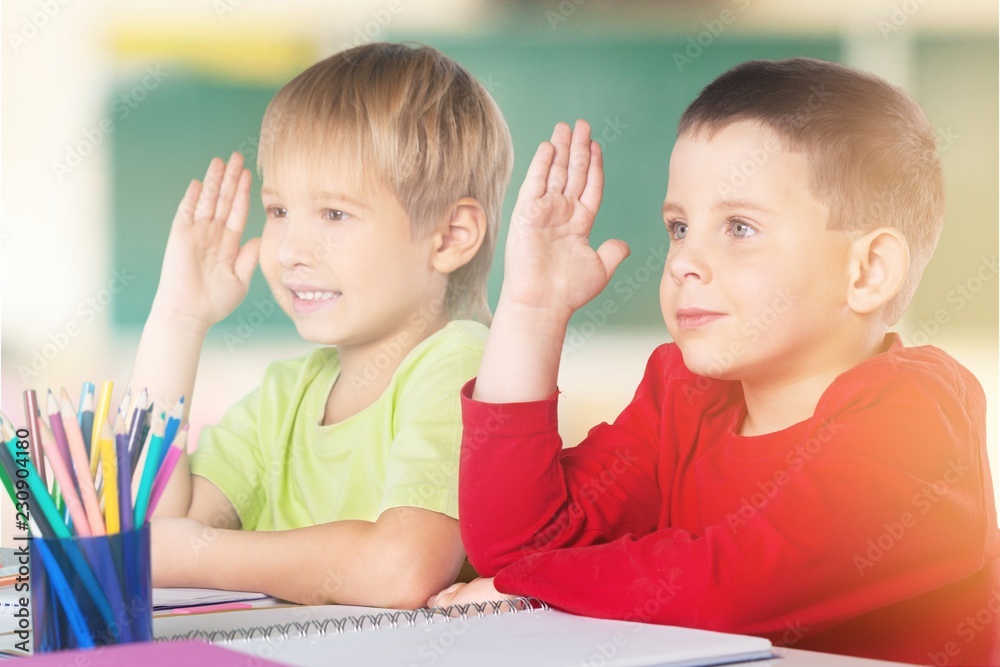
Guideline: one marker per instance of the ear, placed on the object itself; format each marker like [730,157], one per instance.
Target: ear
[879,263]
[459,237]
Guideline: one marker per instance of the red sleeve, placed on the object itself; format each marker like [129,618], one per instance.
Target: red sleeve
[520,493]
[893,503]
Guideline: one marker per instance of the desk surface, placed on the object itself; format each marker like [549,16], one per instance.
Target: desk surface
[790,657]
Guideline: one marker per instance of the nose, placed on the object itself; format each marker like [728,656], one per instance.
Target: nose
[297,246]
[687,261]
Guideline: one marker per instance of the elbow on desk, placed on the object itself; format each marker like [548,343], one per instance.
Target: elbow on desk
[389,585]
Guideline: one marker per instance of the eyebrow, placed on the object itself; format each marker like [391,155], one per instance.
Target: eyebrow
[326,195]
[741,203]
[671,207]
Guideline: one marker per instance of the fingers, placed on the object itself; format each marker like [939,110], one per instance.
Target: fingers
[612,253]
[579,160]
[239,202]
[558,172]
[537,177]
[205,207]
[185,211]
[594,189]
[221,185]
[444,598]
[246,260]
[231,180]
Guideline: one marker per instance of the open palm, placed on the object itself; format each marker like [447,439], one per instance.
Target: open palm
[205,272]
[548,240]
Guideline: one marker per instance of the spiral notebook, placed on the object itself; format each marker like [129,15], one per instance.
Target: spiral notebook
[521,632]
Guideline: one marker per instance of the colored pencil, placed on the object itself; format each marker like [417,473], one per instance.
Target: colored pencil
[152,455]
[56,423]
[100,414]
[81,467]
[136,434]
[124,478]
[166,470]
[109,462]
[61,469]
[42,502]
[31,419]
[85,414]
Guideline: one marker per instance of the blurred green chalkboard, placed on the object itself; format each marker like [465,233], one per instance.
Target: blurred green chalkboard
[632,91]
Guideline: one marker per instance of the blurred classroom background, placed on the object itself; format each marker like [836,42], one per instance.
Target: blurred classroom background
[110,107]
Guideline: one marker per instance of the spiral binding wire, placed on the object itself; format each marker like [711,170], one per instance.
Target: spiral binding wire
[339,626]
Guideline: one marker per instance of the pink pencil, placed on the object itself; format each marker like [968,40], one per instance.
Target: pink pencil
[81,465]
[60,468]
[166,469]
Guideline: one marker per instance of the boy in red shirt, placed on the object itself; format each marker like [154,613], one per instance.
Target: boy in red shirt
[786,467]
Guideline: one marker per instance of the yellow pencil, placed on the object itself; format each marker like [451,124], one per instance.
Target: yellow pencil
[100,416]
[109,464]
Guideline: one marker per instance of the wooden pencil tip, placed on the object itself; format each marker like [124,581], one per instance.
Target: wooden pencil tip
[53,403]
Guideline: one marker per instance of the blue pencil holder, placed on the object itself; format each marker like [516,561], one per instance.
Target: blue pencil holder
[91,591]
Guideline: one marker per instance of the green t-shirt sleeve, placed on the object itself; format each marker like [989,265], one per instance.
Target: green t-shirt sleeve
[422,465]
[229,456]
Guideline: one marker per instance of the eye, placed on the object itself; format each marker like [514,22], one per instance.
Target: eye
[741,229]
[335,215]
[678,229]
[276,212]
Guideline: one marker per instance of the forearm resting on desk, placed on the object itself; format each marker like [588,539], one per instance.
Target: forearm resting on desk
[396,562]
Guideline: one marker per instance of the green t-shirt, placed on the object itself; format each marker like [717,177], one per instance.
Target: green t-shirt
[282,469]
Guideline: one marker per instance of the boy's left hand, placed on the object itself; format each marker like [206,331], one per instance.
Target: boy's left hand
[477,590]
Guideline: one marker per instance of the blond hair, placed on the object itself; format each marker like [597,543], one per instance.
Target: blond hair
[421,125]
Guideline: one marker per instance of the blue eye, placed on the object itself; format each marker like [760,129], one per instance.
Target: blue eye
[678,230]
[741,229]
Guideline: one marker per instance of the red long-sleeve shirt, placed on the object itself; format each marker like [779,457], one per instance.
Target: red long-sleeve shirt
[869,529]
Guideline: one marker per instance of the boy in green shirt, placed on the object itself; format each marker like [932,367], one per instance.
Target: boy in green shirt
[383,170]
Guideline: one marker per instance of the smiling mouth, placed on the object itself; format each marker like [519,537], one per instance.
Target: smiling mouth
[315,296]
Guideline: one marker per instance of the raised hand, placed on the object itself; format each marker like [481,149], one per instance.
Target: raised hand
[549,264]
[206,272]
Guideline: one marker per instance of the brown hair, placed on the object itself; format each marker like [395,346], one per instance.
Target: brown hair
[422,126]
[871,151]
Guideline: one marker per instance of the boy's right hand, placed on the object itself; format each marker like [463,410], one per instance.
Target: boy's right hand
[205,272]
[549,267]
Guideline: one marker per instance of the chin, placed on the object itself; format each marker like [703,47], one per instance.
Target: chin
[708,362]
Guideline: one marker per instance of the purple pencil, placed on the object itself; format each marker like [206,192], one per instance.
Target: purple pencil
[124,476]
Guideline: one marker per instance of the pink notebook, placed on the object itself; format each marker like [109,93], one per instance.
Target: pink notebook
[150,654]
